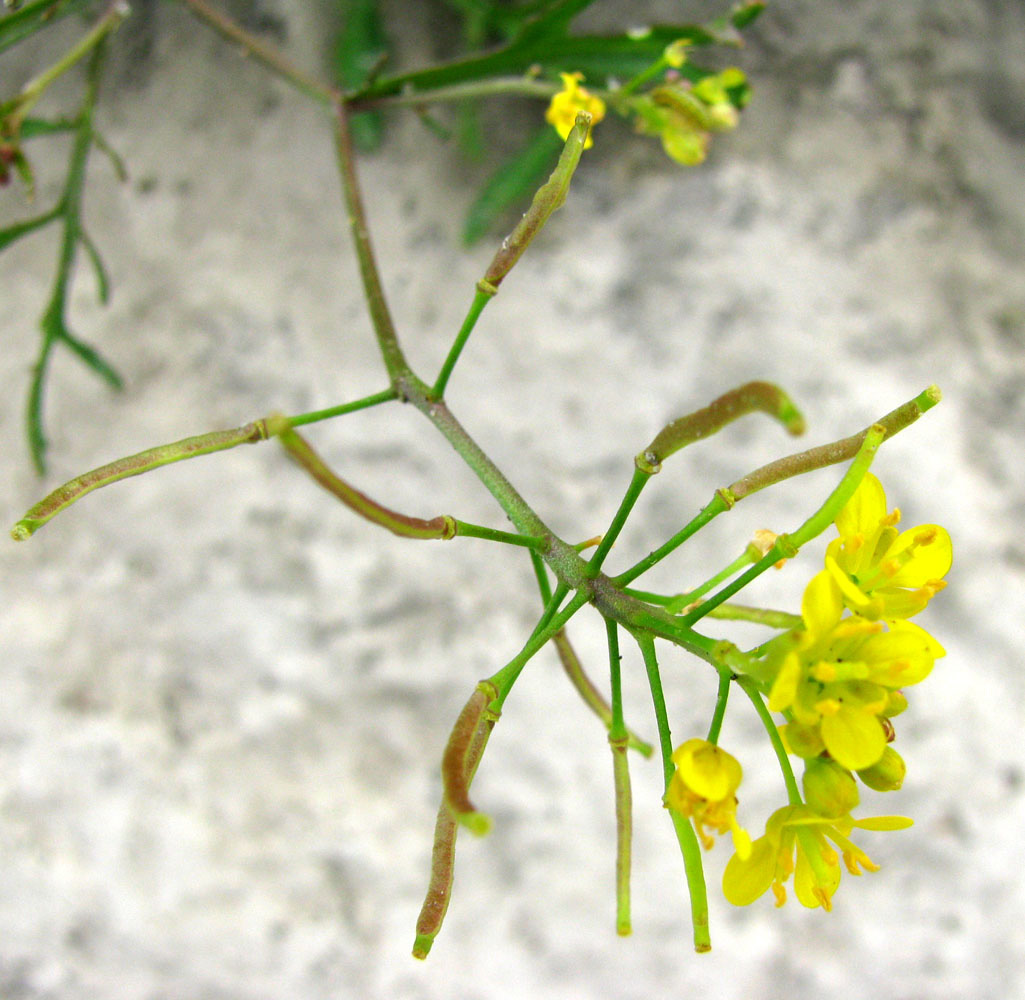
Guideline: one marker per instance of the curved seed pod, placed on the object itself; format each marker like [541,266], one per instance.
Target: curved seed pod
[443,855]
[133,465]
[455,772]
[753,396]
[836,451]
[443,526]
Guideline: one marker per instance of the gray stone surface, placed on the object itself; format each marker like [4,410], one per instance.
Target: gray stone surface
[223,699]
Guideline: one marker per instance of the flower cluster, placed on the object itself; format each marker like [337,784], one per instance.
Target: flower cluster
[704,788]
[797,841]
[838,681]
[841,678]
[682,113]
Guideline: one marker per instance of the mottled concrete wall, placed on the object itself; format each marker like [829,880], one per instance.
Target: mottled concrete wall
[223,699]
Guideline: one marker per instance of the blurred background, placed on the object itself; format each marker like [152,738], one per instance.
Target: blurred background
[223,699]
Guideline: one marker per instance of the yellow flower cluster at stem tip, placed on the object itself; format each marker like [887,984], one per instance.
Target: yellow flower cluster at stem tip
[839,681]
[841,678]
[563,109]
[704,788]
[684,115]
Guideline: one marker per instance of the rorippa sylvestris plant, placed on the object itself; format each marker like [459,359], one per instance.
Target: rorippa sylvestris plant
[827,683]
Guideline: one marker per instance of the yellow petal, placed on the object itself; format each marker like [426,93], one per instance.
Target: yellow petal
[854,738]
[821,605]
[815,881]
[744,880]
[707,770]
[865,509]
[803,740]
[784,687]
[930,556]
[883,823]
[684,144]
[902,656]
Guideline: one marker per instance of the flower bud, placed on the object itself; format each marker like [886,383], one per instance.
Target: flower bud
[829,788]
[886,774]
[896,702]
[805,741]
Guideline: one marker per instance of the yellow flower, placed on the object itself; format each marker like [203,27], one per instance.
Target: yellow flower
[704,787]
[837,679]
[683,115]
[797,842]
[880,572]
[562,112]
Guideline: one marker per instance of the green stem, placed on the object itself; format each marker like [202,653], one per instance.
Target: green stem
[721,699]
[744,559]
[506,86]
[53,325]
[750,688]
[387,339]
[26,226]
[15,110]
[685,834]
[263,53]
[467,530]
[643,77]
[505,678]
[481,298]
[637,483]
[617,724]
[618,741]
[33,15]
[337,411]
[541,573]
[718,505]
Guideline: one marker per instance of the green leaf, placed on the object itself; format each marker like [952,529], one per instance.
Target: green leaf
[34,16]
[599,57]
[33,127]
[93,359]
[554,19]
[513,181]
[745,13]
[19,229]
[358,52]
[102,278]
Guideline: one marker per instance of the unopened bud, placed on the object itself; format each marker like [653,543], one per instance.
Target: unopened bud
[896,702]
[887,773]
[829,788]
[805,741]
